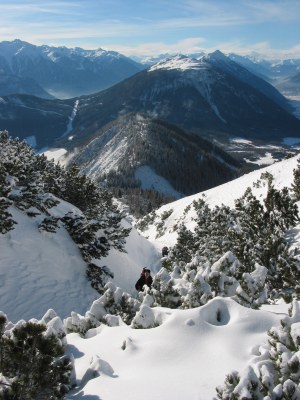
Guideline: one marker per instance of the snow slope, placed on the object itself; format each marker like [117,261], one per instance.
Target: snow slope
[184,358]
[224,194]
[41,270]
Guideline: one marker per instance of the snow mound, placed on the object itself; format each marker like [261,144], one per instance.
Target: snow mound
[177,357]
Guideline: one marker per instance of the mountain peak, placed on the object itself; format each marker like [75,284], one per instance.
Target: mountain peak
[217,56]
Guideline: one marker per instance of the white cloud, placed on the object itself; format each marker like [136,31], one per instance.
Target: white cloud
[189,45]
[262,48]
[244,11]
[270,10]
[194,45]
[25,8]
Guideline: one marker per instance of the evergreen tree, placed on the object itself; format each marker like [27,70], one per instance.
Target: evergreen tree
[37,185]
[199,293]
[212,233]
[276,372]
[249,227]
[35,363]
[98,276]
[184,247]
[163,291]
[281,209]
[296,183]
[49,224]
[84,233]
[252,291]
[6,221]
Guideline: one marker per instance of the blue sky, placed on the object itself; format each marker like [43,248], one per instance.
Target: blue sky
[270,27]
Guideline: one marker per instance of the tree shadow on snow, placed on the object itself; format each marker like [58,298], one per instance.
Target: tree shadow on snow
[82,396]
[71,349]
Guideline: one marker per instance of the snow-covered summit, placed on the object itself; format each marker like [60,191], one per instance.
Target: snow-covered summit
[178,62]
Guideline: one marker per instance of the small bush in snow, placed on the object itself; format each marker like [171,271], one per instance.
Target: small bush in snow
[275,373]
[113,303]
[32,362]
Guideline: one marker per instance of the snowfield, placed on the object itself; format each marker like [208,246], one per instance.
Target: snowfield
[184,358]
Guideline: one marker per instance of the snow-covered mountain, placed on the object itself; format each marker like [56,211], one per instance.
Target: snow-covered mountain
[278,72]
[208,96]
[196,95]
[184,353]
[221,61]
[138,151]
[65,72]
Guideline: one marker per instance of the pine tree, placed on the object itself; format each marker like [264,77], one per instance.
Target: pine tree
[281,209]
[184,248]
[98,276]
[249,227]
[163,291]
[49,224]
[36,363]
[296,183]
[6,221]
[252,291]
[198,294]
[276,370]
[84,233]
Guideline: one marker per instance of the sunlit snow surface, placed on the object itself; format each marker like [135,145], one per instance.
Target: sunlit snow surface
[184,358]
[182,210]
[178,62]
[150,180]
[55,154]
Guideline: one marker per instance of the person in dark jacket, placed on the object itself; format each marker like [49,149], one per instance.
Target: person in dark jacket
[145,279]
[164,251]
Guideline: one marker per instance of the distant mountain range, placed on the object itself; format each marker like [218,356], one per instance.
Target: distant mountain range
[158,129]
[212,96]
[202,96]
[283,74]
[60,71]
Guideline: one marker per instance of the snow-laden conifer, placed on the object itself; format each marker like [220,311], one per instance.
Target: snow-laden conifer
[35,185]
[275,372]
[32,360]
